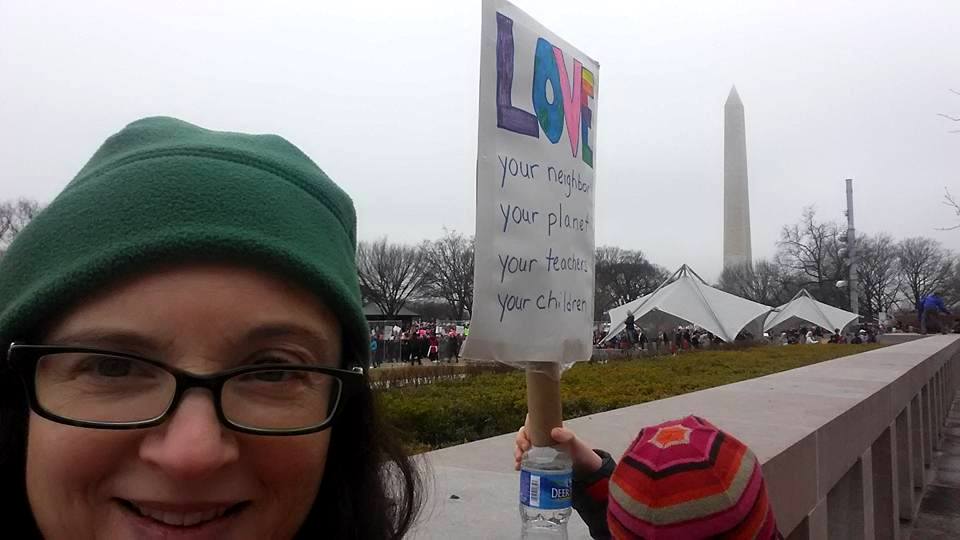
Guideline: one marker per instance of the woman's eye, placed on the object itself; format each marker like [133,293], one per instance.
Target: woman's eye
[112,367]
[272,376]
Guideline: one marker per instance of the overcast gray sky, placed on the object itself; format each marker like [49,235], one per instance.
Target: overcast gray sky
[383,96]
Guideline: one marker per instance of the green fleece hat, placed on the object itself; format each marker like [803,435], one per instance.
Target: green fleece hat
[162,191]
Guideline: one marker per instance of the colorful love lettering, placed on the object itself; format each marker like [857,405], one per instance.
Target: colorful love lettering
[569,103]
[571,92]
[586,115]
[550,115]
[508,116]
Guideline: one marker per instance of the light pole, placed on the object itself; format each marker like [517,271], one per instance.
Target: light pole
[852,250]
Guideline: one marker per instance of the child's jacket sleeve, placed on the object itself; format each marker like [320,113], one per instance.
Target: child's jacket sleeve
[590,496]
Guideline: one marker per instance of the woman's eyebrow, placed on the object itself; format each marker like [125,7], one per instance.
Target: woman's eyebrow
[306,336]
[104,337]
[133,341]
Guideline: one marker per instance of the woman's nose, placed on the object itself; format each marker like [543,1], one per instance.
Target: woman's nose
[192,443]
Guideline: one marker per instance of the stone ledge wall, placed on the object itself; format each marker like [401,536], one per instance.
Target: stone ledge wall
[845,445]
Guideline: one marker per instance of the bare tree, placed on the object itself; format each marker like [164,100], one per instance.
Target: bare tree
[878,272]
[765,282]
[950,201]
[951,117]
[948,197]
[14,216]
[924,267]
[951,285]
[390,274]
[811,251]
[450,272]
[622,275]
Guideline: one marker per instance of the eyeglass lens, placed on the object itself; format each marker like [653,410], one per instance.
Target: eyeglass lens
[113,389]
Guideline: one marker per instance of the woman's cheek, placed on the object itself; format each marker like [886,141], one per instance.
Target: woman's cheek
[68,475]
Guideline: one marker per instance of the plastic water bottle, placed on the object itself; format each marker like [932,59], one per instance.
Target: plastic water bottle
[546,476]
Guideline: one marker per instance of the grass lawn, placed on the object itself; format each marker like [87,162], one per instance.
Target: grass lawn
[452,412]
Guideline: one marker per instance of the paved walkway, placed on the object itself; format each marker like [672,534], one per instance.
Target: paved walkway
[940,509]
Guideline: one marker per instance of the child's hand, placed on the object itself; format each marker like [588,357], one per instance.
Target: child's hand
[585,460]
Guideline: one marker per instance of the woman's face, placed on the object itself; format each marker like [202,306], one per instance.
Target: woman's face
[97,484]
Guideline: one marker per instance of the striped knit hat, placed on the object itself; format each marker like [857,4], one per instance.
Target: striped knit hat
[686,479]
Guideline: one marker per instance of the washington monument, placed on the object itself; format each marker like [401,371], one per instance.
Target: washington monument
[736,199]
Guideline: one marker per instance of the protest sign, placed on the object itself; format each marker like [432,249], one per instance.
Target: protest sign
[534,263]
[534,269]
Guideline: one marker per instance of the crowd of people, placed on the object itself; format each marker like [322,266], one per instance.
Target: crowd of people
[685,338]
[681,339]
[432,340]
[932,316]
[809,336]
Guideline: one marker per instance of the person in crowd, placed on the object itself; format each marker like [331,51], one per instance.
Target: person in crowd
[931,307]
[809,339]
[453,344]
[649,493]
[416,348]
[433,350]
[405,347]
[373,351]
[630,326]
[424,342]
[395,331]
[642,340]
[185,347]
[597,336]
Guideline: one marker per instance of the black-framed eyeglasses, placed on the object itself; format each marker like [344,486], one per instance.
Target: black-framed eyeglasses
[95,388]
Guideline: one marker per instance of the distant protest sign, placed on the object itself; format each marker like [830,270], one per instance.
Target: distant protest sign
[534,269]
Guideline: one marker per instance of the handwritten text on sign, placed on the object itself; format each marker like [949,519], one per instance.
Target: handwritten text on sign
[533,284]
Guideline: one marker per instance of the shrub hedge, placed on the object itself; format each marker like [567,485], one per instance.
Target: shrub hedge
[449,412]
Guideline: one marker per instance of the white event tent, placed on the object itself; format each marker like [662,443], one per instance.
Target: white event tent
[805,308]
[684,298]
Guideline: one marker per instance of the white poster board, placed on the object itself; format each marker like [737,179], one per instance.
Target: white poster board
[534,269]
